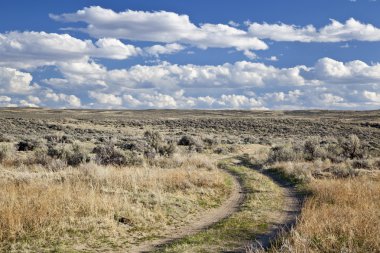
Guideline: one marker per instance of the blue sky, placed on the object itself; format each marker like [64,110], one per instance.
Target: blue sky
[271,54]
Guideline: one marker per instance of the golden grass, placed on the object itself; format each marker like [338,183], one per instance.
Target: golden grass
[80,208]
[263,200]
[343,215]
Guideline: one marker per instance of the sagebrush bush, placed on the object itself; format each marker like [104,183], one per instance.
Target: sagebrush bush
[76,155]
[154,139]
[73,154]
[4,152]
[313,149]
[192,143]
[5,138]
[157,145]
[29,144]
[211,142]
[109,154]
[58,138]
[282,154]
[167,150]
[361,164]
[352,147]
[40,156]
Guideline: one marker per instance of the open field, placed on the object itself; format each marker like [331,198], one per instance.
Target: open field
[82,180]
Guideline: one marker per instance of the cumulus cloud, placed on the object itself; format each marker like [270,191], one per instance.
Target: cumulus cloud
[23,49]
[327,69]
[242,85]
[157,50]
[14,81]
[173,76]
[159,26]
[372,96]
[108,99]
[336,31]
[61,99]
[114,49]
[5,99]
[179,101]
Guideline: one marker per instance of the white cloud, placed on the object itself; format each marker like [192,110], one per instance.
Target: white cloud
[327,69]
[250,55]
[70,101]
[168,76]
[25,103]
[5,99]
[238,101]
[158,101]
[34,99]
[157,50]
[24,49]
[333,32]
[160,26]
[14,81]
[178,101]
[108,99]
[114,49]
[246,85]
[272,58]
[233,23]
[372,96]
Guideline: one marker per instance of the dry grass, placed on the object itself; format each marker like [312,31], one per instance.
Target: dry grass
[80,208]
[343,215]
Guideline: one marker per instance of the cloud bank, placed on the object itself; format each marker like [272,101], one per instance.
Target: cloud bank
[59,70]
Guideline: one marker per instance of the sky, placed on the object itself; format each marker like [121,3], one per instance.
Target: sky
[156,54]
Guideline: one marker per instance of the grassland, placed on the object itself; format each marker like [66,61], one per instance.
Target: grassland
[83,180]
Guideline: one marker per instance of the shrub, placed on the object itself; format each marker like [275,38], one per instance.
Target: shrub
[187,140]
[40,156]
[282,154]
[109,154]
[352,147]
[225,150]
[58,138]
[167,150]
[28,145]
[5,138]
[361,164]
[4,152]
[342,171]
[76,155]
[150,153]
[313,150]
[137,146]
[334,150]
[73,154]
[192,143]
[211,141]
[154,139]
